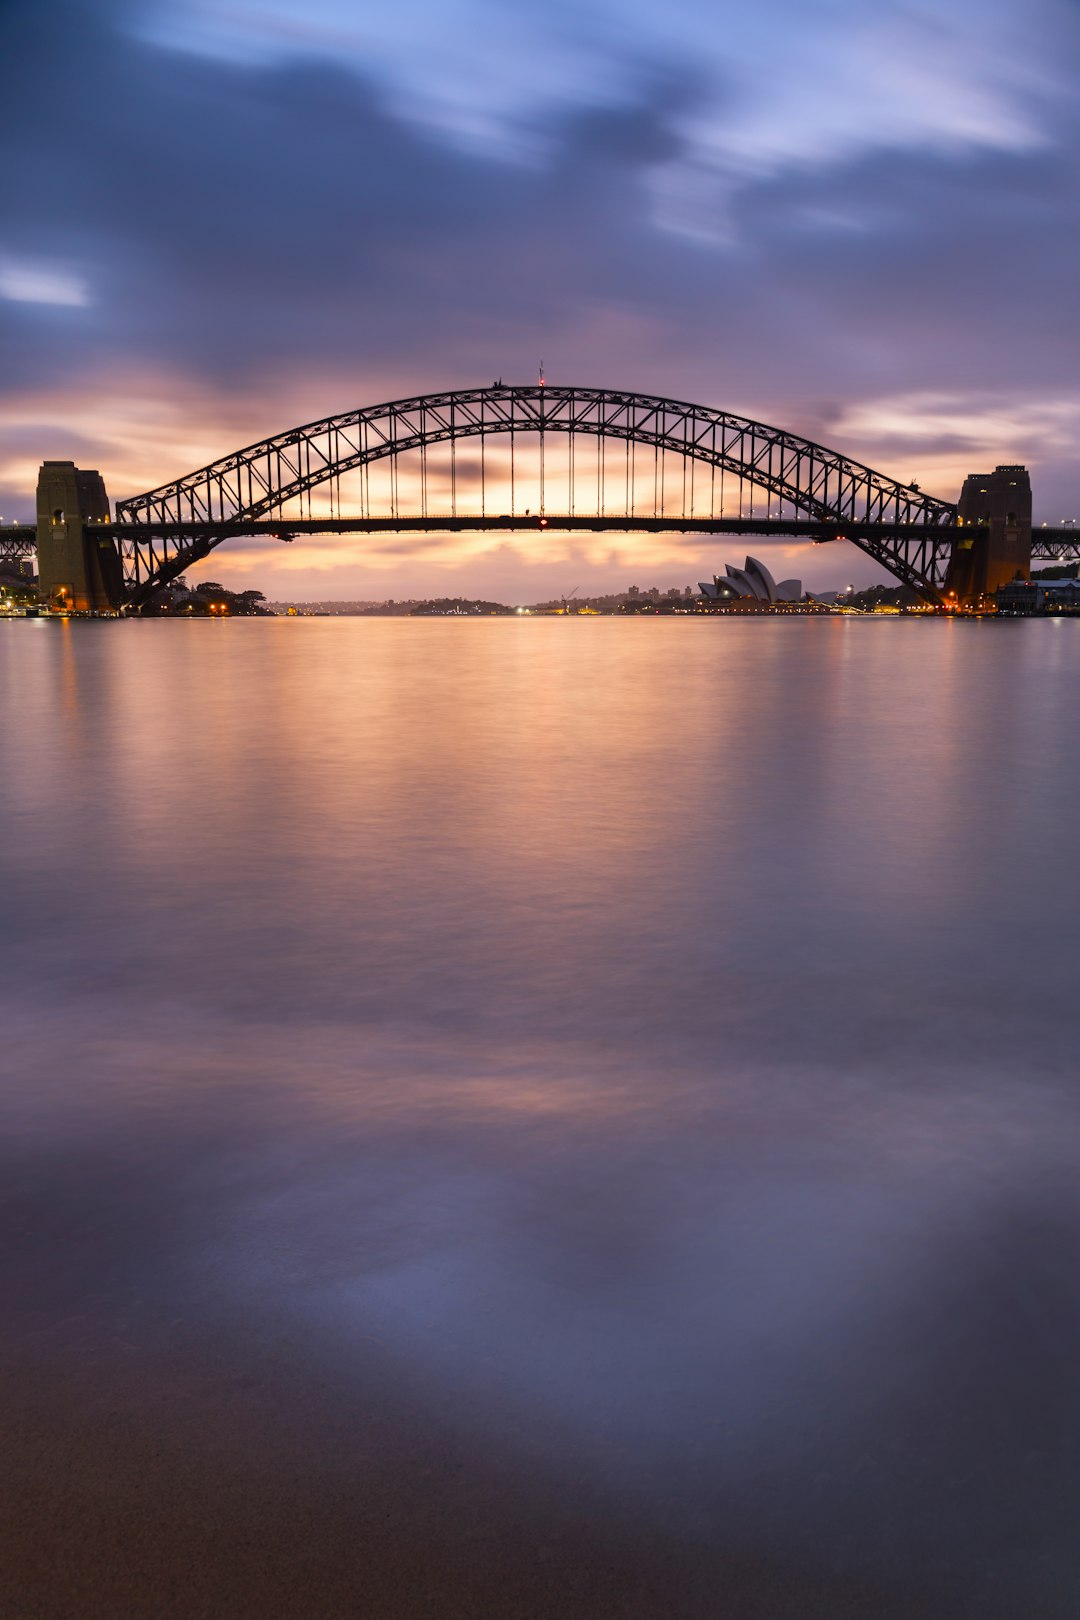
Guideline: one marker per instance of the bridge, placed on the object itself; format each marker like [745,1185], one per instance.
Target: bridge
[510,458]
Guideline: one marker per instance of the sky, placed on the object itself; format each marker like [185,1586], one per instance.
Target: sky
[859,221]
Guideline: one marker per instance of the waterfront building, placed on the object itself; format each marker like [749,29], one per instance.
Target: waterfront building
[752,583]
[1027,598]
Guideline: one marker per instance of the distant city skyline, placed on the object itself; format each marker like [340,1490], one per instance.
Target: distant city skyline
[238,218]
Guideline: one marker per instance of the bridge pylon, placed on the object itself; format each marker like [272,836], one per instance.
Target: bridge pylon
[993,537]
[78,563]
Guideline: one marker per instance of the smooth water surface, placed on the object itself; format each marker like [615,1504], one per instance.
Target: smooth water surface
[540,1118]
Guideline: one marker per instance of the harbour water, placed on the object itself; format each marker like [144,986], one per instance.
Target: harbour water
[540,1118]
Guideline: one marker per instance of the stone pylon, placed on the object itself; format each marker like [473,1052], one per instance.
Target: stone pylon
[993,542]
[78,563]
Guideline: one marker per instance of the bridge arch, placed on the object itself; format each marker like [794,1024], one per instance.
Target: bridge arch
[165,530]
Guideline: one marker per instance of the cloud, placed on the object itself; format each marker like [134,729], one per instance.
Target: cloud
[41,284]
[774,84]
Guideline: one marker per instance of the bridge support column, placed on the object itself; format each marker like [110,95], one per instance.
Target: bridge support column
[993,545]
[78,563]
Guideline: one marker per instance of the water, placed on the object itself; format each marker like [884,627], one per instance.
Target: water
[546,1118]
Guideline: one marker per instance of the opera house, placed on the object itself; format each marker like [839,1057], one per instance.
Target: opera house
[750,587]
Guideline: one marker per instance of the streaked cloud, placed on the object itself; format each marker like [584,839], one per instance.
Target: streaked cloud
[26,283]
[774,81]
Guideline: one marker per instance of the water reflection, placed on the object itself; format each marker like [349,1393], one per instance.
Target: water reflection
[569,1119]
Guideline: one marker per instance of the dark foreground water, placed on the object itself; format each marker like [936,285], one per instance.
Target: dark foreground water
[540,1119]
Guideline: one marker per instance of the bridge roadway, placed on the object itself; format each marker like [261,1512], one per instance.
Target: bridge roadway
[1058,543]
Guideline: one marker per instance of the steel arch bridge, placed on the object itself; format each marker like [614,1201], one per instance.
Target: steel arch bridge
[796,487]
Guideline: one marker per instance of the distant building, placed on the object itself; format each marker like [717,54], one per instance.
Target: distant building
[1025,598]
[750,583]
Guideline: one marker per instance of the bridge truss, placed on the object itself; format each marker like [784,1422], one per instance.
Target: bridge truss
[609,456]
[1056,545]
[18,542]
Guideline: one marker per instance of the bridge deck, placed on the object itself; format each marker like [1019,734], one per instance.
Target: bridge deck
[1043,538]
[1047,541]
[531,522]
